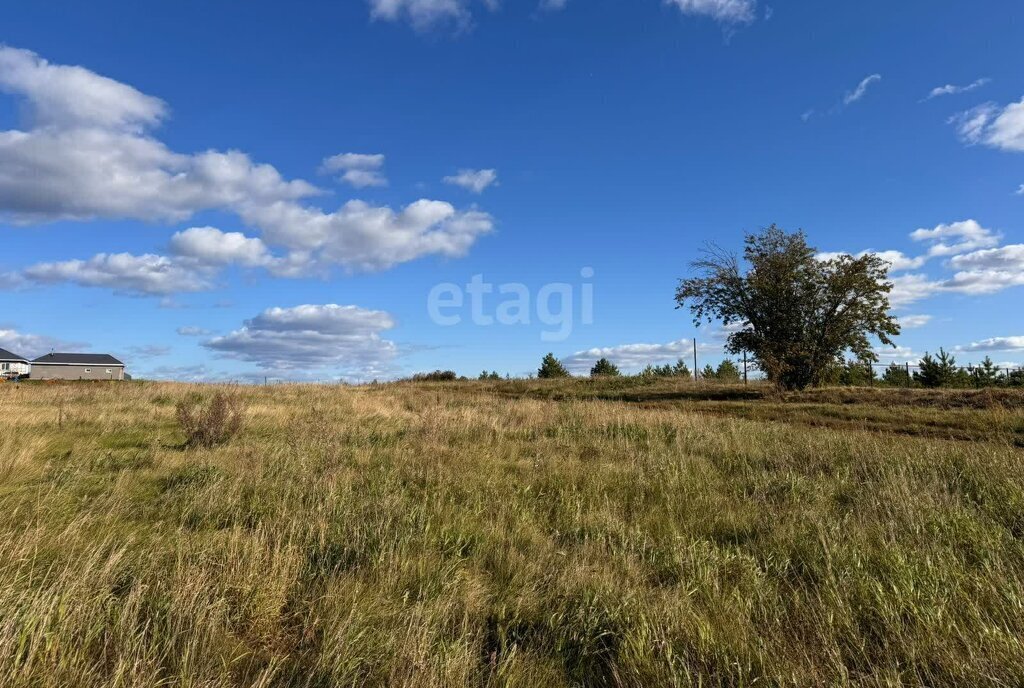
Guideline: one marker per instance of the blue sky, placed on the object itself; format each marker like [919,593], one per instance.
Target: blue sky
[211,191]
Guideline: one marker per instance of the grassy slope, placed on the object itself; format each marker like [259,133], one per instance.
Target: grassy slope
[512,534]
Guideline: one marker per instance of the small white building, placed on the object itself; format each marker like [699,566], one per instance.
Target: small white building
[12,365]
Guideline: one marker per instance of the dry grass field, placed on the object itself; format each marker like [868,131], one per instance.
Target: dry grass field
[512,534]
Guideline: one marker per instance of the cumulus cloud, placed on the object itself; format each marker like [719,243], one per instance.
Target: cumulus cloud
[1014,343]
[360,236]
[897,260]
[68,97]
[725,11]
[473,180]
[952,89]
[211,246]
[1009,257]
[967,235]
[635,356]
[358,169]
[89,153]
[33,345]
[124,273]
[981,266]
[196,256]
[346,339]
[993,125]
[861,90]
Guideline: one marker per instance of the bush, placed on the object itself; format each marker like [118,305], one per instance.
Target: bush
[896,376]
[436,376]
[211,425]
[680,369]
[493,375]
[939,371]
[604,368]
[551,367]
[727,372]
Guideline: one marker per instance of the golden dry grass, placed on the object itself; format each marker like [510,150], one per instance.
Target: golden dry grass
[509,534]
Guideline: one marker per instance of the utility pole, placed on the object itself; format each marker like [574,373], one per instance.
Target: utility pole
[744,368]
[695,359]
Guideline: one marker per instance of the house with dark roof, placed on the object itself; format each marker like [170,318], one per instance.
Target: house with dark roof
[61,366]
[12,365]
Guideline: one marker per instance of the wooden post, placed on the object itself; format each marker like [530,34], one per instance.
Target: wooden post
[695,378]
[744,368]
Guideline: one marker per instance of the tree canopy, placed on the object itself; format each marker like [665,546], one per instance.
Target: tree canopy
[551,367]
[797,313]
[604,368]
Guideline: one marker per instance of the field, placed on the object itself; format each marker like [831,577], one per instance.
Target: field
[513,534]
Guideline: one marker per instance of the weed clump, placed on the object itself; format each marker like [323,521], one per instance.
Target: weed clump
[210,425]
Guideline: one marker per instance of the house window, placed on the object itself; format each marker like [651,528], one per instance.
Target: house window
[5,366]
[108,371]
[88,370]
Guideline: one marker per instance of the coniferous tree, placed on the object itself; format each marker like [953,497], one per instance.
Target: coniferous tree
[896,376]
[936,371]
[727,372]
[986,374]
[551,368]
[604,368]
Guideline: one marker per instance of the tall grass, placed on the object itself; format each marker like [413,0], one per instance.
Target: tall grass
[482,534]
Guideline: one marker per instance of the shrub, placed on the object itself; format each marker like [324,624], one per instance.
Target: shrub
[937,371]
[679,369]
[436,376]
[604,368]
[857,373]
[214,424]
[727,372]
[493,375]
[986,374]
[896,376]
[551,367]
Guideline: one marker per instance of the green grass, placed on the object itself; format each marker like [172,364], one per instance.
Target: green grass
[513,534]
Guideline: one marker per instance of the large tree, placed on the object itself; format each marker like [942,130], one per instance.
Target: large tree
[796,312]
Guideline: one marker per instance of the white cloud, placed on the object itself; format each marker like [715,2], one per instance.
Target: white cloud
[210,246]
[908,289]
[124,273]
[473,180]
[897,260]
[68,97]
[364,237]
[196,256]
[92,156]
[993,125]
[553,5]
[33,345]
[1015,343]
[725,11]
[1009,257]
[422,14]
[358,169]
[861,90]
[952,89]
[344,338]
[193,331]
[636,356]
[909,322]
[970,235]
